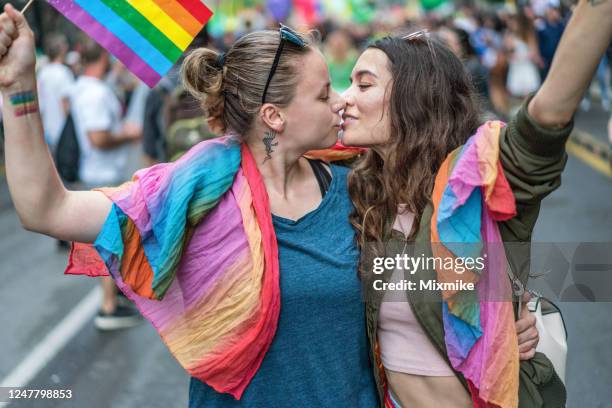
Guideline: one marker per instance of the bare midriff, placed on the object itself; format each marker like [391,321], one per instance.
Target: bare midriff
[417,373]
[420,391]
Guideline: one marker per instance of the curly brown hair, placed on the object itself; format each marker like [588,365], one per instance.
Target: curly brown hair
[433,110]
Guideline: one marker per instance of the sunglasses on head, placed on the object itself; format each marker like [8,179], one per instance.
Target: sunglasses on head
[417,35]
[286,34]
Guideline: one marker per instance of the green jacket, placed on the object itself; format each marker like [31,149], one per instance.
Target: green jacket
[533,159]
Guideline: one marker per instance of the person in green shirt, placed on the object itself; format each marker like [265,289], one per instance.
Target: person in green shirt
[341,56]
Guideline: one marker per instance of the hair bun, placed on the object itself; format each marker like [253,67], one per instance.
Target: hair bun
[202,76]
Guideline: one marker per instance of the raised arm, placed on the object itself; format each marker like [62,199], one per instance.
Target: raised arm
[40,198]
[584,41]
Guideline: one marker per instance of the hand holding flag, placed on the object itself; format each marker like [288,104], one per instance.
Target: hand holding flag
[17,56]
[148,36]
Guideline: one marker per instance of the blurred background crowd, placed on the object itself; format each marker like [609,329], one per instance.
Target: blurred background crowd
[506,46]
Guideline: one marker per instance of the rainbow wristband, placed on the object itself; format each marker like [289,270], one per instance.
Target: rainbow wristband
[24,103]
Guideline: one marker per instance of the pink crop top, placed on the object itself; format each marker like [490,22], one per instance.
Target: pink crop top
[404,346]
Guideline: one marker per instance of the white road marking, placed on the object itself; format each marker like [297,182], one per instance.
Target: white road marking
[54,342]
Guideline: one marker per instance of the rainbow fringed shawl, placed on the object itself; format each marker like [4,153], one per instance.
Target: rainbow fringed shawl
[470,195]
[191,243]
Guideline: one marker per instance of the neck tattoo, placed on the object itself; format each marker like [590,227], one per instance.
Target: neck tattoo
[268,141]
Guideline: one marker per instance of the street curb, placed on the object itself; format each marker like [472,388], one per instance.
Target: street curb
[593,152]
[595,146]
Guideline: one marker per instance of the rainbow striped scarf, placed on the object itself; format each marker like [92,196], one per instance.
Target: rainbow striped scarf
[191,243]
[470,195]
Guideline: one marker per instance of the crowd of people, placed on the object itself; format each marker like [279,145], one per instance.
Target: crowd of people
[507,52]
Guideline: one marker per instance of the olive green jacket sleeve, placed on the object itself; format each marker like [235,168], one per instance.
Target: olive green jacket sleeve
[533,158]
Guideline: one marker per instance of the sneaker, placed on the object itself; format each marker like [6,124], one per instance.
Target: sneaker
[122,318]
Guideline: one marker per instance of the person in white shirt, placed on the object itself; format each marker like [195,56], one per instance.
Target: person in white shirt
[97,116]
[104,144]
[54,83]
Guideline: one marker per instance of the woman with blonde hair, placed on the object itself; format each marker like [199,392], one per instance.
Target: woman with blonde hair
[205,246]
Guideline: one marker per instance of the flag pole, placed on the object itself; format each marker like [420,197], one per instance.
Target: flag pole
[27,6]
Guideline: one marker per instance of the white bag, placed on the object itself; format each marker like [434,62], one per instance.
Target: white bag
[552,332]
[549,323]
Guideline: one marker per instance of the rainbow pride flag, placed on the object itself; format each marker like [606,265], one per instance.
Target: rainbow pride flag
[148,36]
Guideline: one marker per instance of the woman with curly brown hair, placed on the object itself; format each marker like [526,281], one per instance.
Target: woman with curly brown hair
[428,182]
